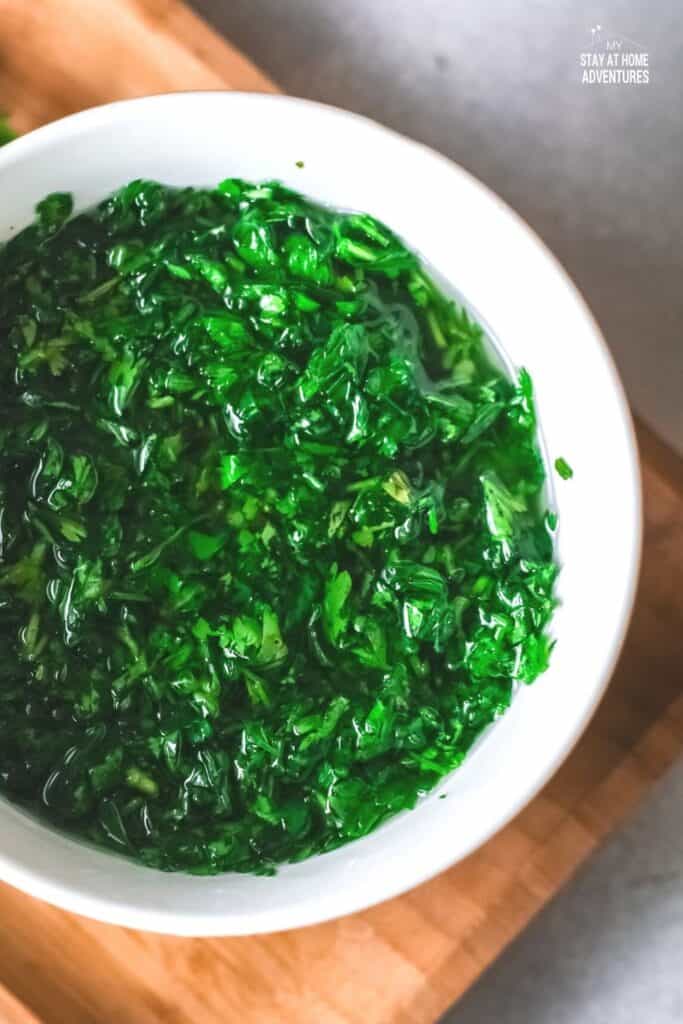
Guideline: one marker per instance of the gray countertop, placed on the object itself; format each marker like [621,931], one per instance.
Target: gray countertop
[607,949]
[597,171]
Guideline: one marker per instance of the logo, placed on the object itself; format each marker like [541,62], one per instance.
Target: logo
[611,58]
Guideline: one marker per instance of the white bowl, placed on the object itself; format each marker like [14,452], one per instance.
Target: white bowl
[478,244]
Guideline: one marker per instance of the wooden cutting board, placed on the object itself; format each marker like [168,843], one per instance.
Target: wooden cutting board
[407,960]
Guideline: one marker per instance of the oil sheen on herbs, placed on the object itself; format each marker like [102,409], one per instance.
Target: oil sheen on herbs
[272,549]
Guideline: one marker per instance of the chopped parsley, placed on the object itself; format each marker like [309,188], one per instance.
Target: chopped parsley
[273,551]
[563,468]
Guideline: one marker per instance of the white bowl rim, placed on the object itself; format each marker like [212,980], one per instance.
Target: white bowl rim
[169,921]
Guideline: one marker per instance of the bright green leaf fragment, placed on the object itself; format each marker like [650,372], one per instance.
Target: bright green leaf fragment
[273,647]
[273,547]
[503,508]
[564,469]
[205,545]
[232,469]
[337,589]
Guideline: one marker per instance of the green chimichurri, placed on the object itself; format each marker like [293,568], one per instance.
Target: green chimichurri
[272,550]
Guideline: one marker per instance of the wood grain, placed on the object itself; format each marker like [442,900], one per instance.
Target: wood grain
[59,56]
[406,961]
[14,1012]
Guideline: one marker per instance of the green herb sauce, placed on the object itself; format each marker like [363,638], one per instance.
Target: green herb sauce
[272,545]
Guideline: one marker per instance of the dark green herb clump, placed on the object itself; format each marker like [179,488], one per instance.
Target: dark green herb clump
[271,549]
